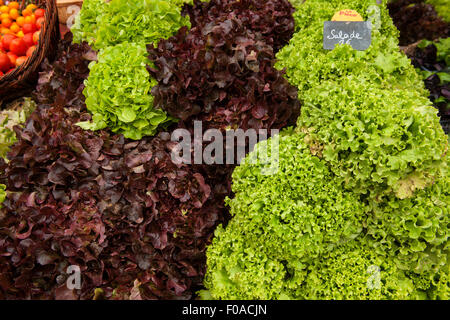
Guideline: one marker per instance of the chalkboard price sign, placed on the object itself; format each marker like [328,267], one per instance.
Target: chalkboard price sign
[357,34]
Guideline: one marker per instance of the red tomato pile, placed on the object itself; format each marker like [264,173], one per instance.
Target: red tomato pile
[19,33]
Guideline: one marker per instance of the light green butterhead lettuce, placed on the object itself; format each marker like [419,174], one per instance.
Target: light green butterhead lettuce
[118,90]
[118,93]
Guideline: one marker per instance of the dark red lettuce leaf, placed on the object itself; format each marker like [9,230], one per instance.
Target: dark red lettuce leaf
[417,20]
[61,82]
[272,18]
[133,221]
[222,74]
[427,59]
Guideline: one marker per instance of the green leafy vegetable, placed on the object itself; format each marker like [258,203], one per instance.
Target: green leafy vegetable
[308,64]
[118,90]
[432,61]
[2,194]
[378,141]
[358,204]
[108,24]
[11,117]
[384,129]
[298,235]
[443,49]
[85,27]
[118,93]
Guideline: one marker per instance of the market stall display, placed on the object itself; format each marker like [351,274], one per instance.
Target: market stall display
[349,201]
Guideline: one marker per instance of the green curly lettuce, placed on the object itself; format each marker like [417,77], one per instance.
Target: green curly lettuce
[309,209]
[296,234]
[364,270]
[281,222]
[145,21]
[181,3]
[118,93]
[118,90]
[11,117]
[385,135]
[381,64]
[104,24]
[378,141]
[85,26]
[418,225]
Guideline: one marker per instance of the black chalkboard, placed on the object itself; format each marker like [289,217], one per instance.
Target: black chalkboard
[358,34]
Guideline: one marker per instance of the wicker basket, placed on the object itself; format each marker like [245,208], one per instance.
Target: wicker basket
[23,79]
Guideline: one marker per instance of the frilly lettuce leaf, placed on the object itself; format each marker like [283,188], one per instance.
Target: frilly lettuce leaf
[107,24]
[377,140]
[11,117]
[368,110]
[118,93]
[297,234]
[85,26]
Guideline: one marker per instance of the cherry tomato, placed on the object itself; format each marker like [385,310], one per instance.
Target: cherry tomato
[39,13]
[31,6]
[18,46]
[28,28]
[12,57]
[30,51]
[14,14]
[36,36]
[4,9]
[14,27]
[6,23]
[5,31]
[21,60]
[13,5]
[28,38]
[27,12]
[30,19]
[6,41]
[20,21]
[39,23]
[5,63]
